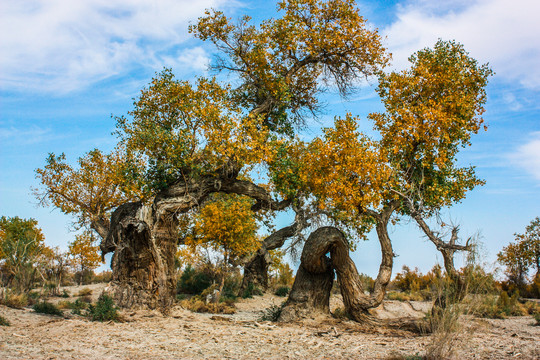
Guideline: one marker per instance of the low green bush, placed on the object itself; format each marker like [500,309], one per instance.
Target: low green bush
[272,313]
[103,310]
[45,307]
[4,321]
[282,291]
[251,290]
[193,281]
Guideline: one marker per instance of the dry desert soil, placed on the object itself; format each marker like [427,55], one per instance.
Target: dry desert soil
[187,335]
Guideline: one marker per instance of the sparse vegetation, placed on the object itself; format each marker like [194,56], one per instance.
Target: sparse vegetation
[13,300]
[44,307]
[197,304]
[85,292]
[282,291]
[4,321]
[250,291]
[103,310]
[272,313]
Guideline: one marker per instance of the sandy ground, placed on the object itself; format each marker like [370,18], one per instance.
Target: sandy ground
[187,335]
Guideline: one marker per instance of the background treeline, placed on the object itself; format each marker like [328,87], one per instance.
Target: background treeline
[209,267]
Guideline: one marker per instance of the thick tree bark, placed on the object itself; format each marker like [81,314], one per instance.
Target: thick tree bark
[314,279]
[314,261]
[144,239]
[256,268]
[143,260]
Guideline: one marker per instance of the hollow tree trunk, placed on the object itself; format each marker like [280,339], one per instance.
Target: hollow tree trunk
[256,271]
[143,261]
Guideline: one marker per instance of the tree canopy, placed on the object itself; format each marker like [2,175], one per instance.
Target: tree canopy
[186,141]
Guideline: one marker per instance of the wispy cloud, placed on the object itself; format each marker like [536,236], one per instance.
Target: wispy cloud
[59,46]
[527,156]
[26,136]
[501,32]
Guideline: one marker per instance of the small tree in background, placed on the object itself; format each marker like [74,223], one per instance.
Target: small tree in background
[523,256]
[21,244]
[224,227]
[53,266]
[85,256]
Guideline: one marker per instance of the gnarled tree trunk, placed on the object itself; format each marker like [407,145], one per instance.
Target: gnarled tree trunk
[144,239]
[256,268]
[314,262]
[143,260]
[313,283]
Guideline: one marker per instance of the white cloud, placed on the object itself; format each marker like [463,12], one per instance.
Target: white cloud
[32,135]
[501,32]
[57,45]
[527,156]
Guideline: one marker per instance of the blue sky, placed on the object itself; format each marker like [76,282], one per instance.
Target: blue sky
[65,67]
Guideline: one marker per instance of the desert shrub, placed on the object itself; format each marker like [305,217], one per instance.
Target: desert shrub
[87,299]
[84,277]
[65,294]
[282,291]
[196,304]
[77,307]
[272,313]
[103,310]
[45,307]
[367,282]
[85,292]
[4,321]
[340,313]
[64,304]
[250,290]
[414,296]
[499,307]
[102,277]
[16,301]
[532,307]
[193,281]
[33,297]
[537,318]
[231,286]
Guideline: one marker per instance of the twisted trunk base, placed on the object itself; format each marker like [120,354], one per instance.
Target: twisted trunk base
[313,283]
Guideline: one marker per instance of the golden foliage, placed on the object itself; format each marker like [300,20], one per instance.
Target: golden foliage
[282,62]
[90,191]
[227,225]
[84,254]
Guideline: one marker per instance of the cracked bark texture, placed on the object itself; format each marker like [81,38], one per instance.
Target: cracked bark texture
[311,294]
[144,239]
